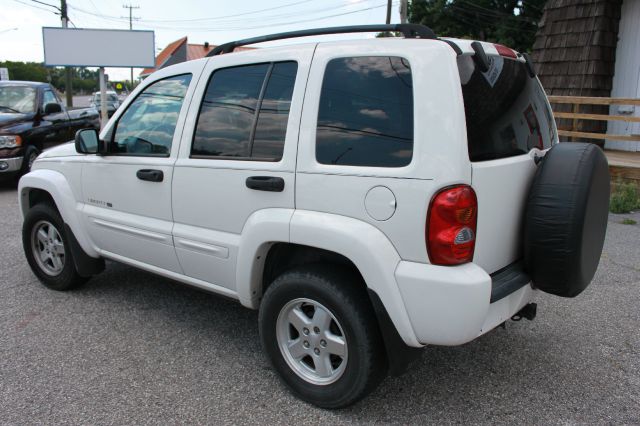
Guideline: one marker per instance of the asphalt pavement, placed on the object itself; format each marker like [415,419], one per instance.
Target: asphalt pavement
[133,348]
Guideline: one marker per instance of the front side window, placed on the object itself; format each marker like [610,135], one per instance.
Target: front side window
[49,98]
[366,112]
[245,111]
[148,124]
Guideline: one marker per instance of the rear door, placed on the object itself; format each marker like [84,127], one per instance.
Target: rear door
[237,156]
[508,122]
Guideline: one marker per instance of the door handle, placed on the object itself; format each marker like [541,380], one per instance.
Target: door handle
[265,183]
[150,174]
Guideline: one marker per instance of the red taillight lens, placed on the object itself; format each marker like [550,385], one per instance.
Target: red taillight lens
[451,226]
[505,51]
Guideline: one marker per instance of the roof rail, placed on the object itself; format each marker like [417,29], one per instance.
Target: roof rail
[407,30]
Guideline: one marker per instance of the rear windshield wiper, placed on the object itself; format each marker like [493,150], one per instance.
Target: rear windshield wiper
[9,108]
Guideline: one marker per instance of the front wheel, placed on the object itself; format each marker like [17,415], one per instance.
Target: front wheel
[30,157]
[47,250]
[320,334]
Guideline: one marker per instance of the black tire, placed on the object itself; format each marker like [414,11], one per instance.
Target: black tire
[30,155]
[67,278]
[566,218]
[341,292]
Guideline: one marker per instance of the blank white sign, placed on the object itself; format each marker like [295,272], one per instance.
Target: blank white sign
[98,48]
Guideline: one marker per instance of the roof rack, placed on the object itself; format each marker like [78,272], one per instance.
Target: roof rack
[407,30]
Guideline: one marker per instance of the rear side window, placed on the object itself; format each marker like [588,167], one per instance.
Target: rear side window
[506,109]
[366,112]
[245,111]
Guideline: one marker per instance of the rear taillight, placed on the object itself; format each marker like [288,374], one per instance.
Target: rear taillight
[505,51]
[451,226]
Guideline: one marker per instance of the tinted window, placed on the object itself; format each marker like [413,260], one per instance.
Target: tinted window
[245,111]
[273,117]
[148,124]
[506,110]
[366,113]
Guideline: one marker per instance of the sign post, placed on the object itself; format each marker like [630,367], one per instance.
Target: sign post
[104,117]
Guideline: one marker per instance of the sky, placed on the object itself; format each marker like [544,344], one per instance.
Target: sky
[213,21]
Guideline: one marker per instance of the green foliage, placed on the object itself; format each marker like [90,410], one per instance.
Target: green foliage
[512,23]
[82,79]
[624,198]
[28,71]
[627,221]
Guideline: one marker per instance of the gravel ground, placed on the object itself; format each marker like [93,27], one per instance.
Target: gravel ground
[132,348]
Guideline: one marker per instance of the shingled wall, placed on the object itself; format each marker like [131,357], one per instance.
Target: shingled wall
[574,52]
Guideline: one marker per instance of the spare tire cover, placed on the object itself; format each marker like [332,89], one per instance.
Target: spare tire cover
[566,218]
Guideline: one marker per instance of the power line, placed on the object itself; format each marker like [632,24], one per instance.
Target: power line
[94,6]
[218,29]
[198,19]
[222,20]
[47,4]
[36,7]
[232,16]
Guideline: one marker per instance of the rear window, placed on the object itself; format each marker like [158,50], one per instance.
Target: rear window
[505,109]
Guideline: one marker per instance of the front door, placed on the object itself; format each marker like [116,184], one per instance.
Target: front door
[237,157]
[128,191]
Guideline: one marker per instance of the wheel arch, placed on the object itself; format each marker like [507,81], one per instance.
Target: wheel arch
[320,237]
[52,186]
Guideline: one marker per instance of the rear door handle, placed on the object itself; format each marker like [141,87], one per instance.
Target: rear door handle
[151,175]
[266,183]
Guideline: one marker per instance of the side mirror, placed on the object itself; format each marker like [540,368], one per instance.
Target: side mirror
[87,141]
[52,108]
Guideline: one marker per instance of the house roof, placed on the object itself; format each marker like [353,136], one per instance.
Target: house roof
[164,55]
[194,51]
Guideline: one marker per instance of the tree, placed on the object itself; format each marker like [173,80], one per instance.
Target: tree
[83,79]
[512,23]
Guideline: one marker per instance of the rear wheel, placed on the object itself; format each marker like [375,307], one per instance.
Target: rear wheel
[320,334]
[47,250]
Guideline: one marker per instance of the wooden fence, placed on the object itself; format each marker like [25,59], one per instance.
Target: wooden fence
[576,115]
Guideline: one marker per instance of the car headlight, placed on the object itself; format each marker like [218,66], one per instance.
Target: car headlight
[12,141]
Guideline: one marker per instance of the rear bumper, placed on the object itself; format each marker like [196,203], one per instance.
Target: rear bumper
[452,305]
[9,165]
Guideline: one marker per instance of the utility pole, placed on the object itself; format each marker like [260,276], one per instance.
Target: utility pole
[67,70]
[388,21]
[403,11]
[131,18]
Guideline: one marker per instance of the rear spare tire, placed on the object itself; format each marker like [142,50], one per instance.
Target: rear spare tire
[566,218]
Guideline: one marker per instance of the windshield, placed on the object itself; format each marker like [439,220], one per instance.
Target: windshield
[20,99]
[110,98]
[506,110]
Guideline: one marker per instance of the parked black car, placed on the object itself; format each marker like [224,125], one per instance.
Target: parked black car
[32,118]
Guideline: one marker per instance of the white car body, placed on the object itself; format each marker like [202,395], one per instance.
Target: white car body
[202,226]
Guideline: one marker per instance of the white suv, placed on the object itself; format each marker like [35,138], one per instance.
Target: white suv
[369,197]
